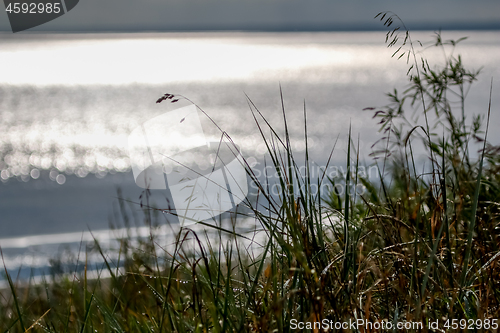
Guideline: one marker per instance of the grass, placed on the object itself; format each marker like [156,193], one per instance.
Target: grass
[415,246]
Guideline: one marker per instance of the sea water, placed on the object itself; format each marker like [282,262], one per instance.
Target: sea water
[69,101]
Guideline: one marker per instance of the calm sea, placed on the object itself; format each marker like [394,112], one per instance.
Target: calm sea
[69,101]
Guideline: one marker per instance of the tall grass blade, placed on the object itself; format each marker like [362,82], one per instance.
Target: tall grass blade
[472,224]
[14,294]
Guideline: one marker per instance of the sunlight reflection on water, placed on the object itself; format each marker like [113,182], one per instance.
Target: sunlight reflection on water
[68,102]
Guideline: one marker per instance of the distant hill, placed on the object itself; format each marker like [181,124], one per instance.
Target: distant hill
[268,15]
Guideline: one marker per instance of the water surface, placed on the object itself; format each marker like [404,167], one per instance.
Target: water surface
[69,101]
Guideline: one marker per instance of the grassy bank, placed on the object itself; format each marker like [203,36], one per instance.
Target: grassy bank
[414,245]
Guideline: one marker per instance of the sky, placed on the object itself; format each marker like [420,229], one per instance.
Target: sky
[268,15]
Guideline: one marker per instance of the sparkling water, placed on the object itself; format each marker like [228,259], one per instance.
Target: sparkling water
[69,101]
